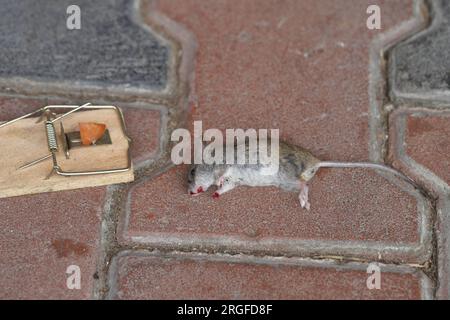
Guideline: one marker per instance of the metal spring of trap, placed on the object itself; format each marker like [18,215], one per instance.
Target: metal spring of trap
[52,141]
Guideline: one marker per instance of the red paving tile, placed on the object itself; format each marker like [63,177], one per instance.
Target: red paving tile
[177,278]
[300,66]
[143,127]
[42,235]
[11,108]
[254,214]
[428,143]
[419,139]
[265,64]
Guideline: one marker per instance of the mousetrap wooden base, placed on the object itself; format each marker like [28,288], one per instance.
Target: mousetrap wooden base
[26,140]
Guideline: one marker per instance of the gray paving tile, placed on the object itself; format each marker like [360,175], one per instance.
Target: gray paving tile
[420,67]
[111,48]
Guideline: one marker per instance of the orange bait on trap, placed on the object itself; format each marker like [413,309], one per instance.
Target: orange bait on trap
[91,132]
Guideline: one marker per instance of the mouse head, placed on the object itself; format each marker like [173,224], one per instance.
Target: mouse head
[200,178]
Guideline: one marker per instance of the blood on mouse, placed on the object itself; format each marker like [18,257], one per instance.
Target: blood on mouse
[198,191]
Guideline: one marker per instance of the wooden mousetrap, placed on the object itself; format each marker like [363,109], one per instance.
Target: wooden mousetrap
[64,147]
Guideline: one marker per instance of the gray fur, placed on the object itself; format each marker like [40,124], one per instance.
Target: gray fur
[294,162]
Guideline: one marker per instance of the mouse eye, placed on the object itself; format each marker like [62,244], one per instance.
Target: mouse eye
[191,174]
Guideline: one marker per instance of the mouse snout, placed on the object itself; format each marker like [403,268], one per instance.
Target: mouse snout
[196,191]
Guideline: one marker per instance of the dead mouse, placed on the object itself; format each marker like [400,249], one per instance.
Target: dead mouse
[296,167]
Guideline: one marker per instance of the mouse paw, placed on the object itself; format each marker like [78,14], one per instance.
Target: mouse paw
[219,182]
[222,181]
[305,204]
[303,196]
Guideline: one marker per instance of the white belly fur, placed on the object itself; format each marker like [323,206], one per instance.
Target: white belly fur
[252,177]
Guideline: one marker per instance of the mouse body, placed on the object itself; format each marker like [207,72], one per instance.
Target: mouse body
[296,167]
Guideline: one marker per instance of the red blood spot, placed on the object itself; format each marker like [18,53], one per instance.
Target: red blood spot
[216,195]
[200,189]
[66,247]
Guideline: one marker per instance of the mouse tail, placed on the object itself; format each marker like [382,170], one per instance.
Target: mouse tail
[370,165]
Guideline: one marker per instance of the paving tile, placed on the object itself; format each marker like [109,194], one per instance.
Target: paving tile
[420,140]
[111,48]
[428,143]
[147,277]
[42,235]
[11,108]
[300,66]
[163,205]
[420,146]
[443,247]
[269,65]
[143,127]
[161,212]
[419,66]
